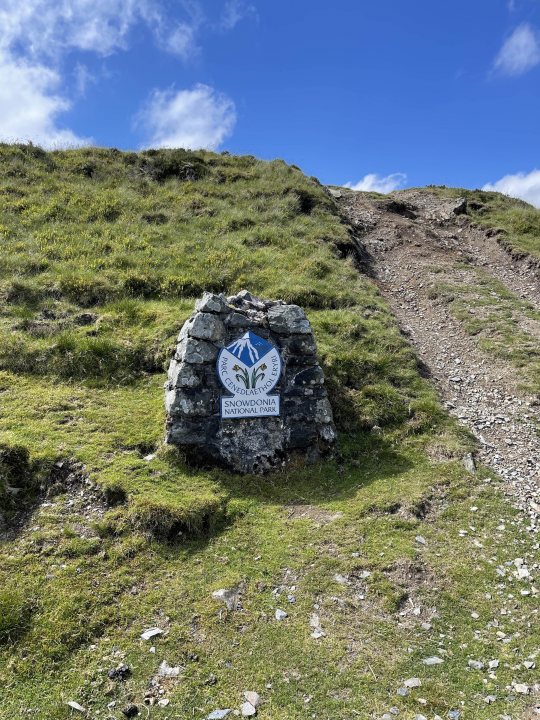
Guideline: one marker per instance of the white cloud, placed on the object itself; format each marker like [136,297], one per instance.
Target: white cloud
[182,41]
[83,78]
[520,52]
[525,186]
[235,11]
[29,96]
[379,183]
[34,36]
[37,35]
[49,27]
[196,118]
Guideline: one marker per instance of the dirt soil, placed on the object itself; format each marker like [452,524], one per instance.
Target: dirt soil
[412,241]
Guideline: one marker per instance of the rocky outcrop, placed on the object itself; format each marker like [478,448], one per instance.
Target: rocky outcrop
[263,402]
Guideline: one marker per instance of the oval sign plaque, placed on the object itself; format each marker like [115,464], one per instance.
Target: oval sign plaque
[249,368]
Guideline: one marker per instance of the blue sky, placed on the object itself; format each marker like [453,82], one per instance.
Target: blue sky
[379,94]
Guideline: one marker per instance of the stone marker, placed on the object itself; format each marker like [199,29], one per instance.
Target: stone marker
[245,388]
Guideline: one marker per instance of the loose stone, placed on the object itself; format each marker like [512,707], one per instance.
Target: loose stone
[248,710]
[151,633]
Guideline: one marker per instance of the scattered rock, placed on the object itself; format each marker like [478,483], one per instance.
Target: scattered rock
[476,664]
[413,683]
[75,706]
[433,660]
[315,622]
[130,710]
[218,714]
[253,698]
[122,672]
[151,633]
[230,597]
[248,710]
[280,614]
[165,670]
[469,463]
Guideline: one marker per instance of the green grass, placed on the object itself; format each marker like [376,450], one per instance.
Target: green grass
[502,323]
[103,256]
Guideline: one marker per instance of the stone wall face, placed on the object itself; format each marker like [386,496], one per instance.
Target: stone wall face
[245,327]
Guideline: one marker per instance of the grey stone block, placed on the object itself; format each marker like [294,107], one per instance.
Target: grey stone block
[210,303]
[288,319]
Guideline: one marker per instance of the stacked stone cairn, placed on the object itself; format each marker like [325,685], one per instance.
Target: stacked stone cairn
[193,391]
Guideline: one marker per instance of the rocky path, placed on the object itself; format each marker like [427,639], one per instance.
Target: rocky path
[416,240]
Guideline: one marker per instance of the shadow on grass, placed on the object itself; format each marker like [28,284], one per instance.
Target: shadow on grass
[362,459]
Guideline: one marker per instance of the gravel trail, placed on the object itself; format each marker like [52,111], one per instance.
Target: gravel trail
[413,240]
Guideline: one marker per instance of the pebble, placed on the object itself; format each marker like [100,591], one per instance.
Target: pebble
[433,660]
[280,614]
[521,688]
[119,673]
[248,710]
[413,682]
[253,698]
[151,633]
[165,670]
[130,710]
[229,596]
[75,706]
[218,714]
[475,665]
[420,540]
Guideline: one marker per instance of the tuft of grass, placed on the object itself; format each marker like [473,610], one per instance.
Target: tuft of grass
[15,614]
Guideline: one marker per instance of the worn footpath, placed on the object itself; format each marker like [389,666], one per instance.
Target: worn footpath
[411,242]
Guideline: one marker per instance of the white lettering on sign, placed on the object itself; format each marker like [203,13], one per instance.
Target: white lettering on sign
[249,368]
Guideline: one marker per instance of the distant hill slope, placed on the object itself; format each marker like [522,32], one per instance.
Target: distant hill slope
[375,556]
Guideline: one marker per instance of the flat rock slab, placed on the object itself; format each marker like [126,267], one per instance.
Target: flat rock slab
[242,355]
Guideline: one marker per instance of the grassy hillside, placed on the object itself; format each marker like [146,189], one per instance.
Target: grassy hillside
[103,255]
